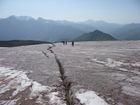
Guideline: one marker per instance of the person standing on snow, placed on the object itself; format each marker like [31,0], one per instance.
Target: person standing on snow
[72,43]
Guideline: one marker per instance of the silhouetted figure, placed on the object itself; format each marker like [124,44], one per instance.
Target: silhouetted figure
[63,42]
[66,42]
[72,43]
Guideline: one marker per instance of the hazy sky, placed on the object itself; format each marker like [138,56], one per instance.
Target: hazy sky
[117,11]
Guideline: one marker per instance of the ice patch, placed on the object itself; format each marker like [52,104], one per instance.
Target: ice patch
[89,98]
[37,88]
[123,69]
[113,63]
[98,61]
[18,81]
[54,99]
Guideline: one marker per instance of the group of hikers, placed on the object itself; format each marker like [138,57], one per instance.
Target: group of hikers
[65,43]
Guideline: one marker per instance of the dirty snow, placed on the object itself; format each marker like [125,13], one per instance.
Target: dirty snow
[9,102]
[119,65]
[104,67]
[89,98]
[54,99]
[114,63]
[136,64]
[131,90]
[134,79]
[18,80]
[109,68]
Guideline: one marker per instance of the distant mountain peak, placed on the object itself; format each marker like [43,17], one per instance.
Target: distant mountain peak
[95,36]
[98,31]
[42,20]
[22,18]
[12,17]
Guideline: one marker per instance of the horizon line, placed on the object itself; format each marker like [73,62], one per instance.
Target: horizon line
[36,18]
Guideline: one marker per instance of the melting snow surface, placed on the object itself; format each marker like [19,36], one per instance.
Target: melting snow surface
[19,81]
[89,98]
[113,63]
[131,90]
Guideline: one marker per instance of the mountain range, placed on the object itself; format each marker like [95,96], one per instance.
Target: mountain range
[128,32]
[28,28]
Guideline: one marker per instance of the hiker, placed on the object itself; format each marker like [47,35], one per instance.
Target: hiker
[63,42]
[66,42]
[72,43]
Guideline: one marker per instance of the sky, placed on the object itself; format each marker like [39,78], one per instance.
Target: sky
[113,11]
